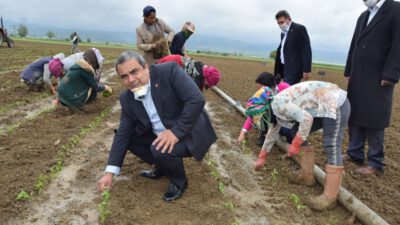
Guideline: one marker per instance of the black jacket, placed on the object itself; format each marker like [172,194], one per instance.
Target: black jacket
[374,56]
[177,44]
[297,52]
[180,105]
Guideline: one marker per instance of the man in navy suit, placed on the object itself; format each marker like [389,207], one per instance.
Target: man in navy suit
[293,56]
[162,121]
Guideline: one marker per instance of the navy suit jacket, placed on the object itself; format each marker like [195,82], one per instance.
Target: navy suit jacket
[297,52]
[180,105]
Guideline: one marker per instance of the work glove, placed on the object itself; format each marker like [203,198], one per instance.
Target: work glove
[294,148]
[262,156]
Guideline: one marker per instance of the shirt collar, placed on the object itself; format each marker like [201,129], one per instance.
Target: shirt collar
[377,6]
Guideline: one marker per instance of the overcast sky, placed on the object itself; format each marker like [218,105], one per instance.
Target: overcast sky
[330,24]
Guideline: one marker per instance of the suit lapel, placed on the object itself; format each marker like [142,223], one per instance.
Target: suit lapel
[156,91]
[139,110]
[380,15]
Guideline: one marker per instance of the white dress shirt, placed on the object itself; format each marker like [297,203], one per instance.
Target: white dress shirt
[155,120]
[374,10]
[283,44]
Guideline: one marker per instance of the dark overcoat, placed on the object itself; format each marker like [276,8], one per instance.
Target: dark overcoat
[374,56]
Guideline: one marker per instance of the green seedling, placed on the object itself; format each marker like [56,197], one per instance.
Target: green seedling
[23,195]
[106,94]
[221,187]
[215,174]
[274,175]
[296,201]
[236,222]
[244,146]
[41,183]
[333,221]
[103,211]
[229,205]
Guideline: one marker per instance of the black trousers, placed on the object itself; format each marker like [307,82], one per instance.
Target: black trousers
[170,163]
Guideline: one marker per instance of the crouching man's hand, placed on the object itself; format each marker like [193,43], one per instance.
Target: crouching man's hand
[165,141]
[105,182]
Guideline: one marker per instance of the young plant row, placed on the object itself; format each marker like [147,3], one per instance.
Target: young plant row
[43,179]
[221,187]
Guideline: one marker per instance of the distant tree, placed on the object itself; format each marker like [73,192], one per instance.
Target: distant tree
[272,55]
[50,34]
[22,30]
[88,40]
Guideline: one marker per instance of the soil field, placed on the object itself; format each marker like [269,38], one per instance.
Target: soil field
[223,188]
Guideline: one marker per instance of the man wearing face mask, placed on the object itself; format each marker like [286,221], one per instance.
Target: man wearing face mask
[150,36]
[162,120]
[293,56]
[372,70]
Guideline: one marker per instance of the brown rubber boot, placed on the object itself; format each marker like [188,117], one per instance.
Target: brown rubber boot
[328,199]
[305,175]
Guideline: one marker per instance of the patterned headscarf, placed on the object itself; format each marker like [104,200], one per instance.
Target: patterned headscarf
[259,106]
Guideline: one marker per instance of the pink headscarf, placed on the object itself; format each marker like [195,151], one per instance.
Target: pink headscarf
[211,75]
[56,67]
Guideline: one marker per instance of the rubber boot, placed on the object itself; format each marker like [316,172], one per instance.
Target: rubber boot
[305,175]
[328,199]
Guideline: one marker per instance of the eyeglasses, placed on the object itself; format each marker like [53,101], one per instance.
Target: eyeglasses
[133,72]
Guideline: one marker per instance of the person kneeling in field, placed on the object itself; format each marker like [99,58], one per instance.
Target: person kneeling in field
[162,121]
[258,107]
[37,74]
[311,106]
[204,76]
[79,85]
[60,67]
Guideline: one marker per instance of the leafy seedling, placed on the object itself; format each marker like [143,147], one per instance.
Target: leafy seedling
[274,175]
[23,195]
[296,201]
[103,211]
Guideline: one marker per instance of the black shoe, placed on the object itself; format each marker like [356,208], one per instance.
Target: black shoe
[153,173]
[174,192]
[260,141]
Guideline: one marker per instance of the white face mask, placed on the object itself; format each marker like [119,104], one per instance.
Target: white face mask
[370,3]
[284,27]
[141,92]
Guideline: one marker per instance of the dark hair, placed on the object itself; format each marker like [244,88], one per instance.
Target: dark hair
[283,13]
[148,10]
[266,79]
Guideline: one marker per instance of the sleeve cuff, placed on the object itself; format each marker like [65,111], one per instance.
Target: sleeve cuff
[113,169]
[244,130]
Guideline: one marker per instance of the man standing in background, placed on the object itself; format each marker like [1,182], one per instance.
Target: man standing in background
[293,56]
[75,41]
[150,36]
[372,69]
